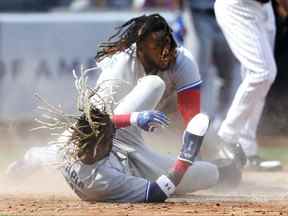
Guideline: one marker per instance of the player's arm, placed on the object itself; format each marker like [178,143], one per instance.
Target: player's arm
[165,186]
[187,81]
[146,120]
[188,102]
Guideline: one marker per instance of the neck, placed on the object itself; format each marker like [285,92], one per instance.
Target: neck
[149,67]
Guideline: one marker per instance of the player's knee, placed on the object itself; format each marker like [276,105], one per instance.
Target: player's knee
[271,74]
[154,83]
[262,82]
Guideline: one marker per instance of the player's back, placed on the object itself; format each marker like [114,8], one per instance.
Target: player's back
[105,180]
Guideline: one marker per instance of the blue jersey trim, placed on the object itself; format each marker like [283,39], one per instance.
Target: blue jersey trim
[192,85]
[147,190]
[155,193]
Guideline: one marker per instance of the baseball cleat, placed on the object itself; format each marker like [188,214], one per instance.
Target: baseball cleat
[256,163]
[235,152]
[230,174]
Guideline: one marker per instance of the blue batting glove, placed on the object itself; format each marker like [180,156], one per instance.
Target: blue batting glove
[149,120]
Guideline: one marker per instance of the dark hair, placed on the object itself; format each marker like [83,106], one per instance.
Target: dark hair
[87,135]
[134,31]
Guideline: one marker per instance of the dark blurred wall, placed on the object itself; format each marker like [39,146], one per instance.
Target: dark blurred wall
[281,51]
[29,5]
[275,118]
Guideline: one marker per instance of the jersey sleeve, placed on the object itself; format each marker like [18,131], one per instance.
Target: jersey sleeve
[185,74]
[188,103]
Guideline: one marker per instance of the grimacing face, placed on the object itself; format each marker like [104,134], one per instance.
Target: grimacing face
[157,54]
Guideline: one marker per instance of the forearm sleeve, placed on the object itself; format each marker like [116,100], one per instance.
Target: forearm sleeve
[189,103]
[121,121]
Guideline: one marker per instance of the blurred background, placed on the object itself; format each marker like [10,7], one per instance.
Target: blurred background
[42,41]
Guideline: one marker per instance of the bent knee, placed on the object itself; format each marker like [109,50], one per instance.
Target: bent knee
[154,83]
[211,176]
[264,80]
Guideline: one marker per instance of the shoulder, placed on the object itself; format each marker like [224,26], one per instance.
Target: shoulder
[184,60]
[185,73]
[120,57]
[183,53]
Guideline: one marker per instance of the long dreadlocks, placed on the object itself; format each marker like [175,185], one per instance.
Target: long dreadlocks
[134,31]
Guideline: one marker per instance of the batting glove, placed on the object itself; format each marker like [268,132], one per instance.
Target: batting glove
[149,120]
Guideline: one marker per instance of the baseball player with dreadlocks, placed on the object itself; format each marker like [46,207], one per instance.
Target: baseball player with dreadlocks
[100,166]
[100,162]
[149,65]
[145,54]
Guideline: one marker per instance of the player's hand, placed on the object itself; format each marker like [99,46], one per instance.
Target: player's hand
[149,120]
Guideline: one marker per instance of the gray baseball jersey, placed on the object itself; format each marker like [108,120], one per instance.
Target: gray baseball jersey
[106,180]
[127,173]
[125,66]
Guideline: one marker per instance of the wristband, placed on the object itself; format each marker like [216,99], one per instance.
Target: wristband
[166,185]
[133,118]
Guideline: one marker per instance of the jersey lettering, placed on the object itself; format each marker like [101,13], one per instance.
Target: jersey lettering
[74,178]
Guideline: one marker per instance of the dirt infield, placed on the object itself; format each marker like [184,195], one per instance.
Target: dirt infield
[77,208]
[47,194]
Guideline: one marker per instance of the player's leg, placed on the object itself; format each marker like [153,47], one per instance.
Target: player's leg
[34,159]
[144,96]
[248,138]
[251,46]
[37,158]
[149,164]
[248,134]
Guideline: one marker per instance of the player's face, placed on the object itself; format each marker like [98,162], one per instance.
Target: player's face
[157,53]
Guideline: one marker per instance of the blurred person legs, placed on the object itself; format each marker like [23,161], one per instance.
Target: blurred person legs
[214,55]
[33,160]
[251,39]
[217,65]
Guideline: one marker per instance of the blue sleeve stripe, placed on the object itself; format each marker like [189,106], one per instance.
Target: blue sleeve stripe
[155,193]
[147,190]
[195,84]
